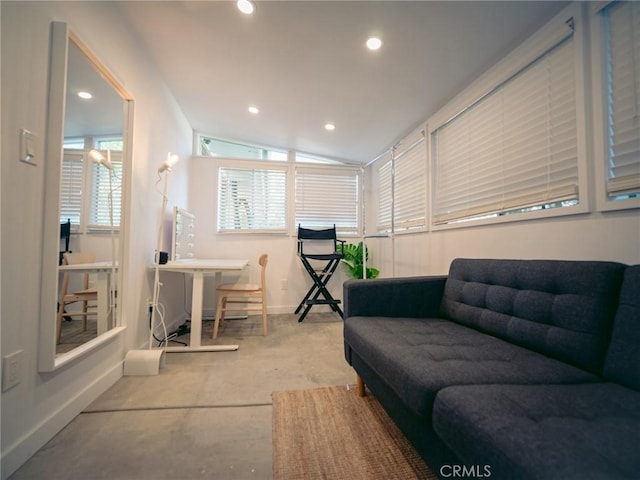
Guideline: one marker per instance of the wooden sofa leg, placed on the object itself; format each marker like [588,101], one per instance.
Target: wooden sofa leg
[360,386]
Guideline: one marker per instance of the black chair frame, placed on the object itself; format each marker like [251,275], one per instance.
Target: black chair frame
[65,233]
[320,276]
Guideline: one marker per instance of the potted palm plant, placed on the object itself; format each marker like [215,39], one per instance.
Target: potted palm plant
[353,260]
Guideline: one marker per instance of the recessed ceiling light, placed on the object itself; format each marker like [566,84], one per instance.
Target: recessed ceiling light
[374,43]
[85,95]
[329,126]
[246,6]
[254,110]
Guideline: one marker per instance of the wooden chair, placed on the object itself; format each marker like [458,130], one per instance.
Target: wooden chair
[253,296]
[85,295]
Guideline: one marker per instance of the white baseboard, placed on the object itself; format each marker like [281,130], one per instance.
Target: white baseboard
[18,453]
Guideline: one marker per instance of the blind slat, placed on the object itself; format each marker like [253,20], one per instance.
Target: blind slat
[515,148]
[327,198]
[252,199]
[623,93]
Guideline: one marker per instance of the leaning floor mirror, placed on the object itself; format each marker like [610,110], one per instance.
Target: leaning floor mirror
[87,167]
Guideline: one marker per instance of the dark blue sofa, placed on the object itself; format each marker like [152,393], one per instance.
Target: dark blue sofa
[507,369]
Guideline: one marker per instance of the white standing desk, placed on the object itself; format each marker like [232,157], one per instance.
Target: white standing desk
[103,271]
[198,268]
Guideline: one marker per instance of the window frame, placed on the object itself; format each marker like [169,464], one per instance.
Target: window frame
[387,170]
[234,164]
[486,83]
[604,202]
[87,178]
[262,153]
[329,170]
[290,169]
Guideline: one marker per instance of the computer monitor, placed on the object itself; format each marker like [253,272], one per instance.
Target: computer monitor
[183,234]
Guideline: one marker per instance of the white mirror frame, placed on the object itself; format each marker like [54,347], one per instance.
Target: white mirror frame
[47,359]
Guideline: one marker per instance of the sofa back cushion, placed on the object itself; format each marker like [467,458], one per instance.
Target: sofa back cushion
[622,363]
[563,309]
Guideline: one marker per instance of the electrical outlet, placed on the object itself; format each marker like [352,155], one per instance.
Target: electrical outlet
[11,370]
[284,284]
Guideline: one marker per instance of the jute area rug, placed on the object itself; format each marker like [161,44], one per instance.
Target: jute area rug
[331,433]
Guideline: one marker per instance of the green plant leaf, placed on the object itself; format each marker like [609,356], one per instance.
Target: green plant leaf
[353,260]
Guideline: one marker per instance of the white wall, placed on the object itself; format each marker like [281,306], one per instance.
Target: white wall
[42,404]
[595,236]
[283,261]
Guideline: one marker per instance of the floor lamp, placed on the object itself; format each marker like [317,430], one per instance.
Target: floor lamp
[165,168]
[364,250]
[100,159]
[149,362]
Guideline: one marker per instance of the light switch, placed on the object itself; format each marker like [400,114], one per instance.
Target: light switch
[28,147]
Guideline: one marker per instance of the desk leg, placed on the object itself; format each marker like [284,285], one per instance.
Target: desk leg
[196,310]
[102,286]
[195,337]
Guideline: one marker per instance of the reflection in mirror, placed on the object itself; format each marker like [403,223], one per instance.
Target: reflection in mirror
[90,196]
[86,171]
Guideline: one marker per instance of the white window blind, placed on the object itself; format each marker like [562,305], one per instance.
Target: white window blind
[71,188]
[252,199]
[327,197]
[410,183]
[101,191]
[514,148]
[623,95]
[385,194]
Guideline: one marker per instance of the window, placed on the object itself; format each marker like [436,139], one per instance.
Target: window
[385,194]
[85,187]
[410,183]
[325,197]
[108,143]
[74,143]
[622,87]
[104,191]
[252,199]
[71,183]
[207,146]
[515,149]
[306,158]
[402,186]
[213,147]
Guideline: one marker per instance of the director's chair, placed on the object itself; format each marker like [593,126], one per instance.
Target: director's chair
[322,248]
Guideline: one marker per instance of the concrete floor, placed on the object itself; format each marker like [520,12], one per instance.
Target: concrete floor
[206,416]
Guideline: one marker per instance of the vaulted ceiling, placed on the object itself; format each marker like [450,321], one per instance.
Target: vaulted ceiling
[304,63]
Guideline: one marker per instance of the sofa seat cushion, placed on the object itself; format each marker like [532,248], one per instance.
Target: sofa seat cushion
[419,357]
[546,431]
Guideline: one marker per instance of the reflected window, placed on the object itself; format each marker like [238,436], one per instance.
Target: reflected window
[213,147]
[86,190]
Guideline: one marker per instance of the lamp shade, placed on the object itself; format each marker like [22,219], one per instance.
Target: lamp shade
[100,159]
[171,160]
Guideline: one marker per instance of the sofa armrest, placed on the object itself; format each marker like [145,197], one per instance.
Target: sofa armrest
[412,297]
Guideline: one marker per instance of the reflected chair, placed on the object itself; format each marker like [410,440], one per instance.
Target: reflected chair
[85,295]
[320,260]
[65,234]
[252,296]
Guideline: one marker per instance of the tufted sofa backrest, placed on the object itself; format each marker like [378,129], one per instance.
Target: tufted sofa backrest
[622,363]
[563,309]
